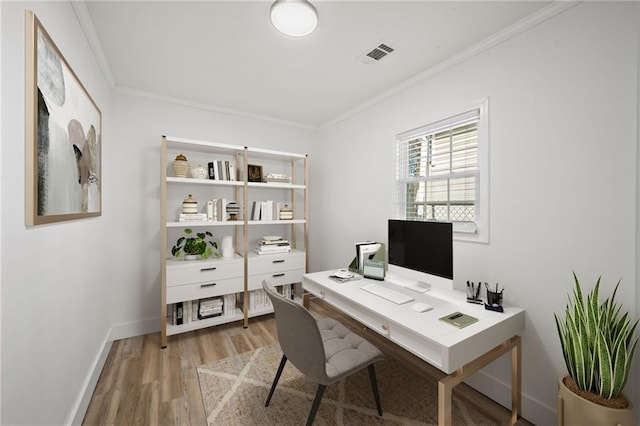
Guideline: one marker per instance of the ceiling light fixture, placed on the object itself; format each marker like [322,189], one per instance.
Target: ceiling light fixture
[296,18]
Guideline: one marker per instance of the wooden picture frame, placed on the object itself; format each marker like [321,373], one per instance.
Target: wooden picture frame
[63,136]
[254,173]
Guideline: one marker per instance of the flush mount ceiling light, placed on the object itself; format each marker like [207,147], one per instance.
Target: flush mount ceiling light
[296,18]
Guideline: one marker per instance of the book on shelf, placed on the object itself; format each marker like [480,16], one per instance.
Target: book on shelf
[267,210]
[273,245]
[222,170]
[179,313]
[222,209]
[277,178]
[229,306]
[210,307]
[193,217]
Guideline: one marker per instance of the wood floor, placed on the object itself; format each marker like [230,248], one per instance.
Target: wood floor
[143,384]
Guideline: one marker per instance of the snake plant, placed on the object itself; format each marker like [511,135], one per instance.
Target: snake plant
[597,342]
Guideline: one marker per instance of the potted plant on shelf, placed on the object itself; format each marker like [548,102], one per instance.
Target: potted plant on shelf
[195,245]
[598,347]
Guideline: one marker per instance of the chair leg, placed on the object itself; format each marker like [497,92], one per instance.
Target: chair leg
[283,361]
[316,404]
[374,386]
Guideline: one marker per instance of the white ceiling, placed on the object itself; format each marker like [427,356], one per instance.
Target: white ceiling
[226,54]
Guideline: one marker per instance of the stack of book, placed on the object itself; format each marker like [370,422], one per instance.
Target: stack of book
[273,245]
[211,307]
[222,170]
[277,178]
[258,300]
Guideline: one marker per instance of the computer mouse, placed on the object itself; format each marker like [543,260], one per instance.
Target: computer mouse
[421,307]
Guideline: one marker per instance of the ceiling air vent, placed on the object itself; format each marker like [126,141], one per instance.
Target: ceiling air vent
[374,55]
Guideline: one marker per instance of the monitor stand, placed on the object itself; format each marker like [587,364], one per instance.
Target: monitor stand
[412,284]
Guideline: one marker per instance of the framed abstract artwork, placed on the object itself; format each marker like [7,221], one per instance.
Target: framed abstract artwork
[63,136]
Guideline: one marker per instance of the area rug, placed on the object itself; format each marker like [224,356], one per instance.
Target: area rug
[234,390]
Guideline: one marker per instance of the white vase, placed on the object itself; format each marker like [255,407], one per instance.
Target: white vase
[180,168]
[227,246]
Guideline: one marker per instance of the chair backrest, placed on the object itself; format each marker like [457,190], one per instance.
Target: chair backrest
[299,336]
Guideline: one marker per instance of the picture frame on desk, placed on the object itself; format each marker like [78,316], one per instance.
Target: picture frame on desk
[254,173]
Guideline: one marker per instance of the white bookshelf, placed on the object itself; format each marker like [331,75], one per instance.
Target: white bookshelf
[189,281]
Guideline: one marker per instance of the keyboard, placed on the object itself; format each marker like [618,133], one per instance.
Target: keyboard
[387,293]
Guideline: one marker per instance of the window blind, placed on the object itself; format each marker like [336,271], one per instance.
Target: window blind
[437,171]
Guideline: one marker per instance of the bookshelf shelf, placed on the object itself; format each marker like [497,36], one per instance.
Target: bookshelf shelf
[197,223]
[187,282]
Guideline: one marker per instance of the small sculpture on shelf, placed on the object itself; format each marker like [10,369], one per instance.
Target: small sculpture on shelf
[232,210]
[199,172]
[180,166]
[286,213]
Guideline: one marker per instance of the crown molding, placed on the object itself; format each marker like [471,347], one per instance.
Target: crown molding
[86,23]
[511,31]
[207,107]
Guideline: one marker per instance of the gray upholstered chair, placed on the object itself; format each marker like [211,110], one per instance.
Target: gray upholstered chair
[324,350]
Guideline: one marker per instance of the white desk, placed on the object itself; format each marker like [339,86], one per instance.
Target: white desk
[459,352]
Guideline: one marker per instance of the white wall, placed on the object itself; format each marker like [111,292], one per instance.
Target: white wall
[139,124]
[56,292]
[563,185]
[69,289]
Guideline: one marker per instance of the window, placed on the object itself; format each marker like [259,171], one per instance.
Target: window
[439,172]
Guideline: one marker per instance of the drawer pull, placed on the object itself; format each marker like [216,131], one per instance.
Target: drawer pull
[208,269]
[278,261]
[207,285]
[277,275]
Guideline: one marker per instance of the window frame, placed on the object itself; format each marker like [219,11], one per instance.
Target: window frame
[477,231]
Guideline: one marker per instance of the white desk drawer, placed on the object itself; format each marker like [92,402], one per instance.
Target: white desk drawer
[198,272]
[275,278]
[201,290]
[272,263]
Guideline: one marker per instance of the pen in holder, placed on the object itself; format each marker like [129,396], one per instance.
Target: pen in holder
[494,300]
[473,293]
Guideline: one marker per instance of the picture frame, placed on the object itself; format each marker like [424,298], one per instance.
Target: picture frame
[254,173]
[63,160]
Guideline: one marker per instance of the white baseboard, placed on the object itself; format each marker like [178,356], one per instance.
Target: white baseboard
[532,410]
[117,332]
[132,329]
[82,403]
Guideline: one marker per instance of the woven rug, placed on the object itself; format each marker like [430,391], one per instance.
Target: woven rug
[234,390]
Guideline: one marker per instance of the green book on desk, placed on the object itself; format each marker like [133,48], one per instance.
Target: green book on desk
[458,319]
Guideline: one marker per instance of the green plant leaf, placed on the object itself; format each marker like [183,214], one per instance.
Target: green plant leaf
[597,341]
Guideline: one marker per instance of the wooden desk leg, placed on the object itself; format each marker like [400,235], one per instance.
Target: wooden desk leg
[445,391]
[516,382]
[446,384]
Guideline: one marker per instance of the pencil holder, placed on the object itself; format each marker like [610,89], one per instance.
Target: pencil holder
[494,301]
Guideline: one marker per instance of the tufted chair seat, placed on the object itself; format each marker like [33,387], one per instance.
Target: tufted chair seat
[324,350]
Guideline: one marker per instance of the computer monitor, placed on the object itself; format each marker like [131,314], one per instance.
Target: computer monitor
[420,252]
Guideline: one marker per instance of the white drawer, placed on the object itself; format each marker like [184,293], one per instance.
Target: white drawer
[188,272]
[275,278]
[272,263]
[199,291]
